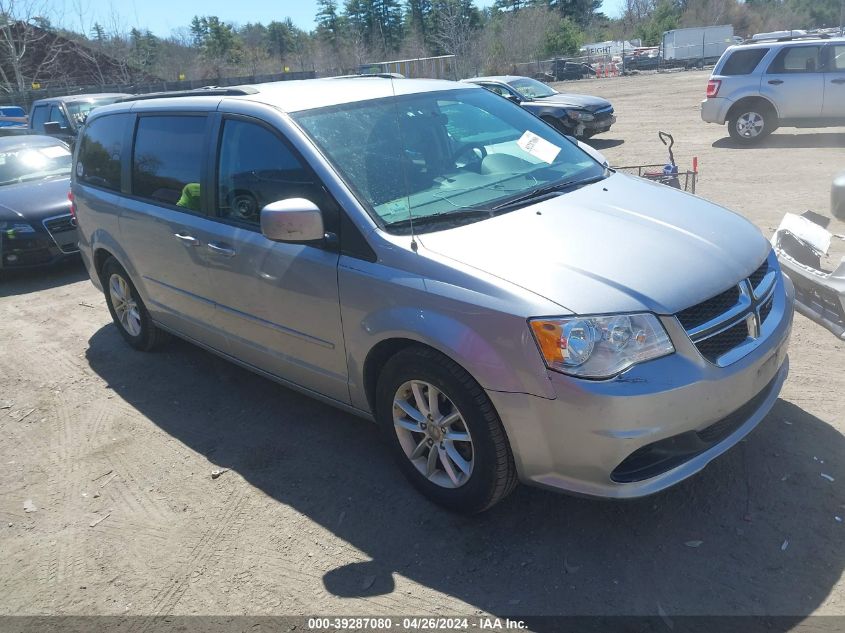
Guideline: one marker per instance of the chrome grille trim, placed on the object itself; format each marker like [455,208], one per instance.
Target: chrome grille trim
[754,307]
[725,320]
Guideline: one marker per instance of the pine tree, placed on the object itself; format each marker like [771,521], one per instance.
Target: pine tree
[98,33]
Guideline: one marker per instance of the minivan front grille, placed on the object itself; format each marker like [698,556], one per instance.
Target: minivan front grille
[716,346]
[709,309]
[757,276]
[766,309]
[732,319]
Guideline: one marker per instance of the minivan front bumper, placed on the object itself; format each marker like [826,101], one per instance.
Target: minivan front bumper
[650,427]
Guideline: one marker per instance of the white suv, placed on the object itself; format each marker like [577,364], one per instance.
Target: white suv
[756,88]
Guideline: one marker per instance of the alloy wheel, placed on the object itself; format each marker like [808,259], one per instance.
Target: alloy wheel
[433,434]
[125,307]
[750,125]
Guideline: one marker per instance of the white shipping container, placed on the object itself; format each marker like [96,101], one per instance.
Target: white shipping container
[699,43]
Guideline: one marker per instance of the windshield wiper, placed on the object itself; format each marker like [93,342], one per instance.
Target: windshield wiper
[539,192]
[446,216]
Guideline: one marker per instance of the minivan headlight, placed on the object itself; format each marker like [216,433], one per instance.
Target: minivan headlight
[600,346]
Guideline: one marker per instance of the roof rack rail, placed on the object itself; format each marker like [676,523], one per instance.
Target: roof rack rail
[359,75]
[788,38]
[210,91]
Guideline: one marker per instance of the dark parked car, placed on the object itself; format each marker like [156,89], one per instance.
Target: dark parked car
[581,116]
[36,225]
[62,117]
[567,71]
[641,62]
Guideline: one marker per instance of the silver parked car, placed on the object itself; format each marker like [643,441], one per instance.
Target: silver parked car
[787,82]
[432,256]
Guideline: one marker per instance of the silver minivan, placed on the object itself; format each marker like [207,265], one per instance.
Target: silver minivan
[431,256]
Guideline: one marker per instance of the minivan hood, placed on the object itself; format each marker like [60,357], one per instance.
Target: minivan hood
[586,102]
[620,245]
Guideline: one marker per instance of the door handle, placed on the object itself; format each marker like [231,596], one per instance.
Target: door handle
[220,249]
[190,240]
[776,82]
[837,81]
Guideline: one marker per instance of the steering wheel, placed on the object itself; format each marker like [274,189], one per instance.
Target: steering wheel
[473,152]
[243,205]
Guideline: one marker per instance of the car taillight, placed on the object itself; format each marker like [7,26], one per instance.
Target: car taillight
[72,205]
[713,87]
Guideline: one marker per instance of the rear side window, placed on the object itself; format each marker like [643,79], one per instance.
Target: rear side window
[167,160]
[743,62]
[39,116]
[796,59]
[98,162]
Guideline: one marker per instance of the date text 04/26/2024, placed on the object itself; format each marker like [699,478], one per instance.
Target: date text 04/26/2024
[416,624]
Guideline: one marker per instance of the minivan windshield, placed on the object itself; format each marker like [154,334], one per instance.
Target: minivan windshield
[450,156]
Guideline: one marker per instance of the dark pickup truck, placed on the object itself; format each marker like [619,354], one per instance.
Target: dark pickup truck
[63,116]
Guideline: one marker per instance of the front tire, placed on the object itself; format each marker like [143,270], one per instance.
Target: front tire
[443,431]
[752,123]
[128,311]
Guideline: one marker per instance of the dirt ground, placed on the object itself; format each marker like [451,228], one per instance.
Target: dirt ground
[115,450]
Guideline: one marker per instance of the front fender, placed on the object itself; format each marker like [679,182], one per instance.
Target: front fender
[452,337]
[494,346]
[553,112]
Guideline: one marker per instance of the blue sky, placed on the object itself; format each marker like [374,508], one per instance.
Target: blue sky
[162,16]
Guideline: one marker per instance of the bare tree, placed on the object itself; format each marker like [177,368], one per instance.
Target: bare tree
[638,10]
[455,34]
[27,46]
[707,12]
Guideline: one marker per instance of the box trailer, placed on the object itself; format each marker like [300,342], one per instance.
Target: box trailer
[696,46]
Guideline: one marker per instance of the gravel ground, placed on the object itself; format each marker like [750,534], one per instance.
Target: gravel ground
[114,450]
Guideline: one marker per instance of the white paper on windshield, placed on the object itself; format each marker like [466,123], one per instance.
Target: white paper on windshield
[538,147]
[54,152]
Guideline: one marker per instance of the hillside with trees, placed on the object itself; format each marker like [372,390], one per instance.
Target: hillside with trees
[349,33]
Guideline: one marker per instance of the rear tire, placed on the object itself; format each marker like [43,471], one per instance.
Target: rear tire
[465,464]
[128,311]
[752,122]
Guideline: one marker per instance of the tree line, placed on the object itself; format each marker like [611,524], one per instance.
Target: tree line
[350,33]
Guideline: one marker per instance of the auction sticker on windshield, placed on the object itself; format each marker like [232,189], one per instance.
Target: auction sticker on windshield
[538,147]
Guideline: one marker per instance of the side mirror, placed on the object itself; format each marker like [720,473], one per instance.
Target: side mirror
[292,220]
[52,127]
[837,196]
[513,98]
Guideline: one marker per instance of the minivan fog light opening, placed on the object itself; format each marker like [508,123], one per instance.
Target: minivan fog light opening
[600,346]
